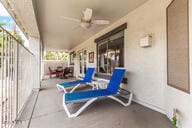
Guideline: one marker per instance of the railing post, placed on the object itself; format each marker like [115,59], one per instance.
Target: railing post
[2,83]
[11,79]
[17,79]
[6,84]
[8,79]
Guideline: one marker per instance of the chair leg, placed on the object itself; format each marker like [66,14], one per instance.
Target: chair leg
[78,111]
[74,88]
[121,102]
[60,88]
[94,86]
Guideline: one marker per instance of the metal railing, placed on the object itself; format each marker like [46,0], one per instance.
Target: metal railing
[16,78]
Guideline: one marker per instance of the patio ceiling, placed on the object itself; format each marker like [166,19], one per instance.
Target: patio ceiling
[59,34]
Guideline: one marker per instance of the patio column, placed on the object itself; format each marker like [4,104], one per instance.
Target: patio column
[35,48]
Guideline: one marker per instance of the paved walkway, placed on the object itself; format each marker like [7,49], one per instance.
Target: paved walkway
[49,113]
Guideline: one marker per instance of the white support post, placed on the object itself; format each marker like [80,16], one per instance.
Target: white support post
[35,48]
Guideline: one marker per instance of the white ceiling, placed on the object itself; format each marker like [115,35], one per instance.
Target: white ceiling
[60,34]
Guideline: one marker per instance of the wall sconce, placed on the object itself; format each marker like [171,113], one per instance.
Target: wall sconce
[146,41]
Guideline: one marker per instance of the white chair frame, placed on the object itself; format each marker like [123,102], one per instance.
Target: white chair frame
[90,101]
[63,89]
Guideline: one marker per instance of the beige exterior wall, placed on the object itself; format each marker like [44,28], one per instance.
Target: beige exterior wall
[178,99]
[34,47]
[147,66]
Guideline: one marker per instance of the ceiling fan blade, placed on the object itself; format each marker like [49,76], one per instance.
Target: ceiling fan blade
[100,22]
[70,19]
[87,14]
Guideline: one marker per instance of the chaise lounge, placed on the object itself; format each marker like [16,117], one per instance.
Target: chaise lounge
[90,96]
[87,79]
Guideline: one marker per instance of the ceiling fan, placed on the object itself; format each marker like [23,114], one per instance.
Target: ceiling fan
[86,21]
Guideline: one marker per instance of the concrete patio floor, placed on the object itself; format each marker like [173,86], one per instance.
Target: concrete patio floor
[49,113]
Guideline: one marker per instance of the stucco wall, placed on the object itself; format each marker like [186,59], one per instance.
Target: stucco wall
[147,66]
[178,99]
[53,64]
[34,47]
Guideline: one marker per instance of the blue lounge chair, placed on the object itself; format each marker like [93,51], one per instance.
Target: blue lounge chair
[76,84]
[90,96]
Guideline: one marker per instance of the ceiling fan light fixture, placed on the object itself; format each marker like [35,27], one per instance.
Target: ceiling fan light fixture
[86,21]
[85,25]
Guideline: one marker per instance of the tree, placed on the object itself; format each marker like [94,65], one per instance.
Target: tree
[2,24]
[63,56]
[14,32]
[49,55]
[1,40]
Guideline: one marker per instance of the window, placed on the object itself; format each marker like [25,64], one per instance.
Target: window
[110,53]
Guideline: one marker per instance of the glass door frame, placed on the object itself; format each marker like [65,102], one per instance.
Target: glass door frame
[82,60]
